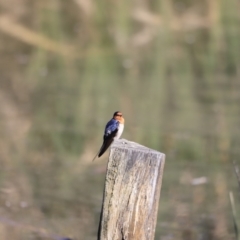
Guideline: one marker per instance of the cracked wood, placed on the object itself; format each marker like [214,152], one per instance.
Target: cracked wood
[132,192]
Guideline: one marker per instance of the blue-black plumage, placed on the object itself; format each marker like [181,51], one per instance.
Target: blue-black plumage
[113,130]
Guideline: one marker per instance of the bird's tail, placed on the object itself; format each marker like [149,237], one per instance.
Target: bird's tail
[95,157]
[106,143]
[98,153]
[105,146]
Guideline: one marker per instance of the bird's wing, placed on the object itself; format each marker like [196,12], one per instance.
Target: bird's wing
[111,127]
[111,130]
[107,142]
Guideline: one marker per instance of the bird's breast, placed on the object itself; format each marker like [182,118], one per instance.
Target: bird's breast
[120,131]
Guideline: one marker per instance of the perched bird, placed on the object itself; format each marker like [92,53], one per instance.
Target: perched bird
[113,130]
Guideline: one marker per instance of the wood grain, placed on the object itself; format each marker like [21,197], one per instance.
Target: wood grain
[132,192]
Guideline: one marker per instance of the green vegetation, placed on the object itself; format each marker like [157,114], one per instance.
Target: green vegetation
[171,67]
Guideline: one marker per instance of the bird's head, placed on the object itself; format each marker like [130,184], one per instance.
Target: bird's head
[119,117]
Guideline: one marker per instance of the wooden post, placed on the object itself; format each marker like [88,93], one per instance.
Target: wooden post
[132,192]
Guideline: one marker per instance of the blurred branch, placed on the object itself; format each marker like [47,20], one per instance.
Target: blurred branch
[20,32]
[146,17]
[236,169]
[151,22]
[86,6]
[187,21]
[234,214]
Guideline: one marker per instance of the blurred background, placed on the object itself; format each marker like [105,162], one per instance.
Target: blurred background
[173,69]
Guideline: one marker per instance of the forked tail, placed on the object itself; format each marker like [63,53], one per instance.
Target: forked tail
[104,147]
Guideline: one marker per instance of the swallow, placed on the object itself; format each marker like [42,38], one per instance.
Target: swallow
[113,130]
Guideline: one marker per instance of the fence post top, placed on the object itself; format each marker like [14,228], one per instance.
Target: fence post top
[124,143]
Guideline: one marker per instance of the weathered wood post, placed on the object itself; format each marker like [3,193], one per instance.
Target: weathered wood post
[132,192]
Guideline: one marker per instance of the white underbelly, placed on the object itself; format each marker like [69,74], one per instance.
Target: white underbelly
[120,131]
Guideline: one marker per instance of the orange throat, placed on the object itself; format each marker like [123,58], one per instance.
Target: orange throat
[121,120]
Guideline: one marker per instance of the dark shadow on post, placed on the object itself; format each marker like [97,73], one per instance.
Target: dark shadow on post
[132,192]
